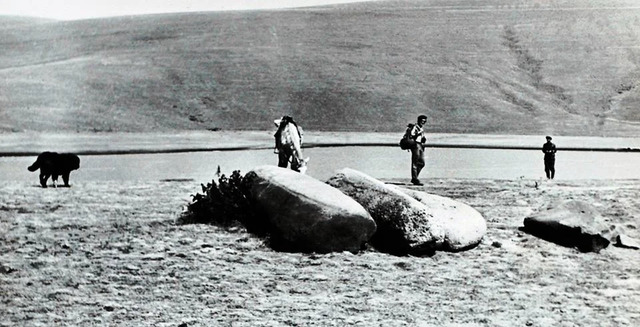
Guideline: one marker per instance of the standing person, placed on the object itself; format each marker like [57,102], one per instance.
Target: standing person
[549,150]
[418,141]
[284,151]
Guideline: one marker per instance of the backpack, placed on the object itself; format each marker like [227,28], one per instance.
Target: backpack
[406,142]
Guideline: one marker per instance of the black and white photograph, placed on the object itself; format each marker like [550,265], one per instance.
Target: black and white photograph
[320,163]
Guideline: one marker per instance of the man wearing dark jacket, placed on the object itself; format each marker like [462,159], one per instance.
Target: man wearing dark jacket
[549,150]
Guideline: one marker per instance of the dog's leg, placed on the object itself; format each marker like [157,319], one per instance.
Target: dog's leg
[43,180]
[65,179]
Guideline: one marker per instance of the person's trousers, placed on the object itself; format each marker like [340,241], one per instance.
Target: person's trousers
[283,159]
[417,160]
[549,167]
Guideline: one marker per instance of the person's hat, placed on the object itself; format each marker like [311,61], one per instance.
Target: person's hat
[283,119]
[548,137]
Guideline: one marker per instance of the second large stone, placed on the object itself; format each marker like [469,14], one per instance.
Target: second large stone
[412,222]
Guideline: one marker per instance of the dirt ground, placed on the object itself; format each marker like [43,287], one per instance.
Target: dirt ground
[107,253]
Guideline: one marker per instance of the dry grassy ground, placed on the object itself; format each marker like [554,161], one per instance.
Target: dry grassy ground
[105,253]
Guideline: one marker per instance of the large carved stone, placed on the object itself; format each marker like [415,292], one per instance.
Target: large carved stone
[464,226]
[405,224]
[307,214]
[570,223]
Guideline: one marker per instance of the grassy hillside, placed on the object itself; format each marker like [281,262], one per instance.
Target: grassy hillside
[489,66]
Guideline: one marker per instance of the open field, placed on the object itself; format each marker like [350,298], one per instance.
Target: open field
[490,66]
[504,73]
[104,253]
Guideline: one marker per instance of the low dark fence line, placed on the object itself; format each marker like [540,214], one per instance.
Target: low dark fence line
[315,145]
[503,147]
[472,146]
[135,151]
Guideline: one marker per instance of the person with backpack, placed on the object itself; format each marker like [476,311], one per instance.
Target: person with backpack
[414,140]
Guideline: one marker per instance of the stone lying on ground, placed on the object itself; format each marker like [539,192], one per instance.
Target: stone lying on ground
[308,215]
[406,225]
[464,226]
[403,224]
[625,241]
[617,235]
[570,223]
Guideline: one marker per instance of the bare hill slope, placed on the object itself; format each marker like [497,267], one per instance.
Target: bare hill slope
[494,66]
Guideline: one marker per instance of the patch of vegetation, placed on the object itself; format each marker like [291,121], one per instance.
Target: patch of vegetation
[226,203]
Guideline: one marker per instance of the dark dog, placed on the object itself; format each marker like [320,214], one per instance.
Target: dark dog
[55,164]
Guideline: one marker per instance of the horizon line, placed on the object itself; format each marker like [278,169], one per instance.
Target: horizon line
[70,10]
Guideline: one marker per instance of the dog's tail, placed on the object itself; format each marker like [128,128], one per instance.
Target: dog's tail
[35,166]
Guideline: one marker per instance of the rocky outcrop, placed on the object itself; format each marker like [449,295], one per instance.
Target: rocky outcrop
[406,225]
[570,223]
[306,214]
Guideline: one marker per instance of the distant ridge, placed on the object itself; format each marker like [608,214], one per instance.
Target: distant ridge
[13,21]
[490,67]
